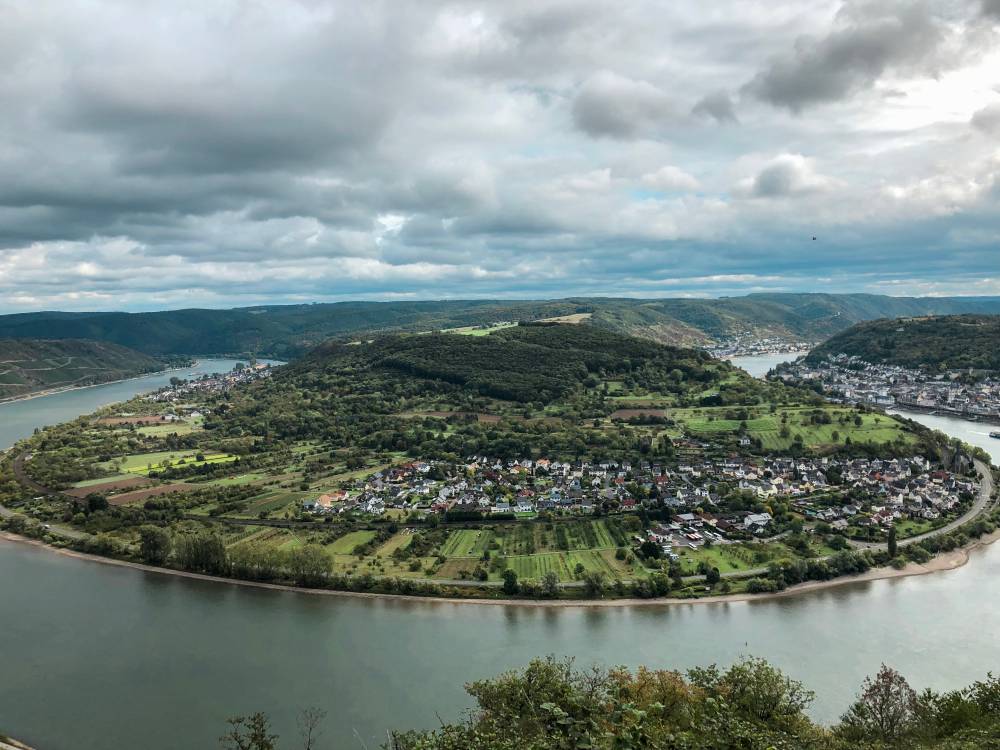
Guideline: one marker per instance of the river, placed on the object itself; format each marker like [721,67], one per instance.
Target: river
[18,419]
[761,364]
[94,656]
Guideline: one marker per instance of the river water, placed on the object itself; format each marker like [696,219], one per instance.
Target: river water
[18,419]
[94,656]
[761,364]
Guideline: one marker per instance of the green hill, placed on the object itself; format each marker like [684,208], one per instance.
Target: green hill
[520,391]
[30,366]
[287,331]
[947,342]
[528,363]
[556,390]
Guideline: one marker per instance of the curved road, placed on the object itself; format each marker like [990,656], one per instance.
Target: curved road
[22,476]
[983,500]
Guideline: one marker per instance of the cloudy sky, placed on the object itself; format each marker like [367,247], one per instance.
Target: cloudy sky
[163,153]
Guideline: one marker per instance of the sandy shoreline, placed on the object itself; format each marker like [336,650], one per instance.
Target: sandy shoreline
[943,562]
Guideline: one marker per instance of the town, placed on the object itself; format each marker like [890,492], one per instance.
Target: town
[180,389]
[749,344]
[701,502]
[851,380]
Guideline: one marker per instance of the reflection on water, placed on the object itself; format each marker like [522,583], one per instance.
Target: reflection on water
[373,663]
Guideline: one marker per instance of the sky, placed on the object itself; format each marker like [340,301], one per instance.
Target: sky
[167,153]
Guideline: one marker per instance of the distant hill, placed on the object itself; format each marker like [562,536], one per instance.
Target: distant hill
[287,331]
[943,342]
[28,366]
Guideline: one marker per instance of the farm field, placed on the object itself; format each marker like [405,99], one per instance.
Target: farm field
[173,428]
[467,543]
[238,480]
[767,426]
[345,545]
[103,480]
[144,463]
[530,549]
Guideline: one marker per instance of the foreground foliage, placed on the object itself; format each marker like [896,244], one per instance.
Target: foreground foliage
[550,705]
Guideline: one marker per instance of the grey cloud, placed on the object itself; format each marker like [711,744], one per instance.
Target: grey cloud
[987,119]
[786,175]
[270,151]
[869,39]
[718,105]
[612,105]
[991,8]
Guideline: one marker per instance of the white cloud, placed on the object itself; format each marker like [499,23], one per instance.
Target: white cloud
[671,178]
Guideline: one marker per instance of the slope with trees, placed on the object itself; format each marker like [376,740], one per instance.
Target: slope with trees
[934,343]
[29,366]
[286,331]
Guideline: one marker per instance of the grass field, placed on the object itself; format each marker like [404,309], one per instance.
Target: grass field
[528,548]
[345,545]
[172,428]
[466,543]
[238,480]
[767,426]
[477,331]
[103,480]
[143,463]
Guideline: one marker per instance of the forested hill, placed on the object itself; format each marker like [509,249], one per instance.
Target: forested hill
[30,366]
[938,343]
[287,331]
[531,389]
[528,363]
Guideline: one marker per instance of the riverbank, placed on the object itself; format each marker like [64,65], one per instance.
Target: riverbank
[940,563]
[937,411]
[6,743]
[71,388]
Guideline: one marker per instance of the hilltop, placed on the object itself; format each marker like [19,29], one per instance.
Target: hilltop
[287,331]
[936,343]
[28,366]
[528,363]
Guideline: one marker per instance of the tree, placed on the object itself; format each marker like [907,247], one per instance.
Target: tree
[308,722]
[249,733]
[651,550]
[885,710]
[96,502]
[713,576]
[309,565]
[593,582]
[154,544]
[204,553]
[550,583]
[893,547]
[510,582]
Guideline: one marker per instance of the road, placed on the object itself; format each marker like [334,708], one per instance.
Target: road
[983,500]
[21,475]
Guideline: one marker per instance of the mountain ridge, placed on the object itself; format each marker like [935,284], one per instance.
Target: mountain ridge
[28,366]
[928,342]
[287,331]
